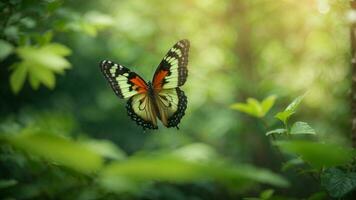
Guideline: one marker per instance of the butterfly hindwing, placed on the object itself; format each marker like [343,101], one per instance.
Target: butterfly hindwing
[171,104]
[141,109]
[172,72]
[124,82]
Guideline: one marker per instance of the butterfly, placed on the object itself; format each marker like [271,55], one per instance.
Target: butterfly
[162,98]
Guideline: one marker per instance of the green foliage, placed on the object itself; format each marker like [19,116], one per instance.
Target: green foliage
[104,148]
[279,131]
[255,108]
[7,183]
[6,49]
[166,167]
[301,128]
[58,150]
[40,64]
[318,196]
[318,154]
[337,182]
[267,194]
[290,110]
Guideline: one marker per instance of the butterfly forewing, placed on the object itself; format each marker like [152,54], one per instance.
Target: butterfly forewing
[172,72]
[124,82]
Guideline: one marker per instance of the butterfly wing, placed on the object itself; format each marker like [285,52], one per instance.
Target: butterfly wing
[124,82]
[127,84]
[141,109]
[171,104]
[172,72]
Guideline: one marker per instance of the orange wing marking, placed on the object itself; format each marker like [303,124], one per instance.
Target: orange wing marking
[139,85]
[158,81]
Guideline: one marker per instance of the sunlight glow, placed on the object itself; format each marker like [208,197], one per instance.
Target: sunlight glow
[323,6]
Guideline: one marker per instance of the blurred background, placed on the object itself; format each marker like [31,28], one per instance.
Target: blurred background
[65,135]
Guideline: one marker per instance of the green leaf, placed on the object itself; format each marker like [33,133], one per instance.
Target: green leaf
[244,108]
[34,81]
[290,110]
[266,194]
[337,182]
[196,152]
[59,150]
[18,77]
[58,49]
[43,75]
[254,108]
[49,56]
[105,148]
[268,103]
[291,163]
[295,103]
[279,131]
[302,128]
[89,29]
[168,167]
[7,183]
[284,115]
[318,154]
[5,49]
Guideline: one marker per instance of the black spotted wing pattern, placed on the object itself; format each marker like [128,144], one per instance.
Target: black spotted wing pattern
[172,72]
[124,82]
[172,104]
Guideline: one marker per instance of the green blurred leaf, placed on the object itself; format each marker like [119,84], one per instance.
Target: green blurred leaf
[5,49]
[268,103]
[41,63]
[18,77]
[49,56]
[318,154]
[43,39]
[295,103]
[7,183]
[89,29]
[43,75]
[58,150]
[290,110]
[254,108]
[105,148]
[266,194]
[99,20]
[54,5]
[167,167]
[34,82]
[284,115]
[302,128]
[318,196]
[58,49]
[337,182]
[278,131]
[196,152]
[292,163]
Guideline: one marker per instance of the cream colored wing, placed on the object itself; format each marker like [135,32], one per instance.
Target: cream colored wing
[171,104]
[141,109]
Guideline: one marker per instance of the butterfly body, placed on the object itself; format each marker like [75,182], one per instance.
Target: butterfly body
[162,98]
